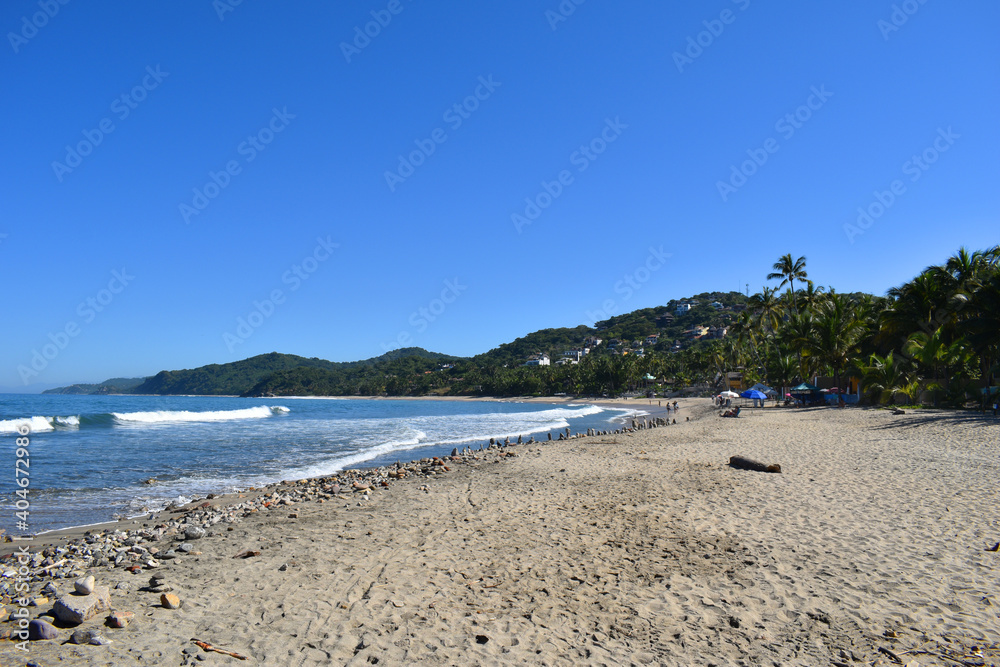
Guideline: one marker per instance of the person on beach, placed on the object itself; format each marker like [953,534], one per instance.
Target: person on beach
[675,407]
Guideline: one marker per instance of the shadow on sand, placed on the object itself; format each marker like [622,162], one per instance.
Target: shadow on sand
[918,418]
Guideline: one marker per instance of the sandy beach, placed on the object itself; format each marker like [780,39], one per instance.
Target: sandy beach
[645,548]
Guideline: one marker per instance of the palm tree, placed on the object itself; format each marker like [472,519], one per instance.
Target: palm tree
[798,334]
[783,370]
[811,296]
[788,271]
[839,330]
[886,376]
[766,308]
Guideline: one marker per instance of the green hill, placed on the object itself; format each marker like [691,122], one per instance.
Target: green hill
[399,372]
[628,327]
[225,379]
[548,341]
[413,370]
[287,374]
[112,386]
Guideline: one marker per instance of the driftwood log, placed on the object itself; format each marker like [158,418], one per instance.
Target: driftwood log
[743,463]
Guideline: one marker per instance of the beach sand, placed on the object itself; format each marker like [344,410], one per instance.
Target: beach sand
[643,548]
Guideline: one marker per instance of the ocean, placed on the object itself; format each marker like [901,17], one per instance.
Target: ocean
[89,456]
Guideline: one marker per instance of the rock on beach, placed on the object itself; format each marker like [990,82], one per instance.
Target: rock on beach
[84,585]
[75,609]
[170,601]
[39,629]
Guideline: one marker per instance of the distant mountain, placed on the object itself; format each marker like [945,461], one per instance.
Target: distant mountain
[112,386]
[413,370]
[225,379]
[396,373]
[280,374]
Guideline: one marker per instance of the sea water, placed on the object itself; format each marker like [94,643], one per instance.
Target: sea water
[90,456]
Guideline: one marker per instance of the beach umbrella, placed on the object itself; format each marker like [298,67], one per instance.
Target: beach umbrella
[729,394]
[753,393]
[805,386]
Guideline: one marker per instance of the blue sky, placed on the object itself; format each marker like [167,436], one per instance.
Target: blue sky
[541,157]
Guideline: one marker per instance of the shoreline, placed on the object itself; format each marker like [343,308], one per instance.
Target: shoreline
[637,548]
[58,536]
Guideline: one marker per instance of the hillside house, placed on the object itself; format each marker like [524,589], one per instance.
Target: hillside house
[538,360]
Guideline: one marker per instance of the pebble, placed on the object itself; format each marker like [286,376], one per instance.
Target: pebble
[39,629]
[81,637]
[50,590]
[185,548]
[194,532]
[170,601]
[120,619]
[85,585]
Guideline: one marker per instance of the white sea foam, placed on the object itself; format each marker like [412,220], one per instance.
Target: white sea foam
[173,416]
[412,440]
[368,439]
[38,424]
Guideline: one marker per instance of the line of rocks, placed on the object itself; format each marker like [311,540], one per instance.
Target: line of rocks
[171,537]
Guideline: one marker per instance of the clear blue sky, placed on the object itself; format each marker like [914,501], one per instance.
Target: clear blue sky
[308,129]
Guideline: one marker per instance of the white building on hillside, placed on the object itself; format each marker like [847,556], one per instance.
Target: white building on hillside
[538,360]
